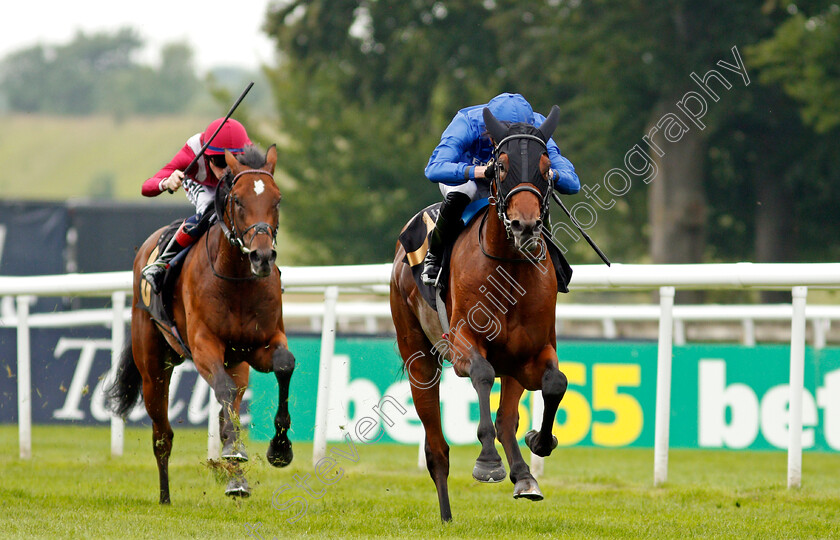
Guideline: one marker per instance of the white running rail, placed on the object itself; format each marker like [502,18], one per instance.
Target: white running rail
[664,278]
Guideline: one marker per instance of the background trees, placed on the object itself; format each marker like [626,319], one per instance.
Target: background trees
[362,90]
[97,74]
[372,84]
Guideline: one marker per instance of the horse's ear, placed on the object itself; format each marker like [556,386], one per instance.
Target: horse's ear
[547,128]
[494,127]
[231,161]
[271,158]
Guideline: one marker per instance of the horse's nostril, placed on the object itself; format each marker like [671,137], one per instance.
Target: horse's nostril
[260,257]
[527,228]
[538,224]
[516,225]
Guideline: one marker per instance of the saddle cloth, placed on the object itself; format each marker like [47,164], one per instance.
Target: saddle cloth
[159,305]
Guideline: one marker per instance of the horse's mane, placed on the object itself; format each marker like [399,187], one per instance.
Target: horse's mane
[252,157]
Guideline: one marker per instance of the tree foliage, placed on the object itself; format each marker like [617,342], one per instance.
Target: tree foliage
[365,87]
[363,92]
[97,74]
[802,56]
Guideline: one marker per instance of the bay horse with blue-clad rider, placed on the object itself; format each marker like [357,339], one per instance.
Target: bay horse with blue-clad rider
[500,303]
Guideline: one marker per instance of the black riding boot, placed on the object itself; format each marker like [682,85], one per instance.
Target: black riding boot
[153,273]
[447,228]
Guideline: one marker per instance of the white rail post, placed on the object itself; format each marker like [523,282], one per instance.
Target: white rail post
[678,337]
[821,328]
[117,341]
[537,408]
[319,443]
[797,377]
[214,437]
[663,385]
[748,339]
[421,451]
[24,378]
[609,328]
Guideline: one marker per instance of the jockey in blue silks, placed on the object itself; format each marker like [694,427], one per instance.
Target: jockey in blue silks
[460,160]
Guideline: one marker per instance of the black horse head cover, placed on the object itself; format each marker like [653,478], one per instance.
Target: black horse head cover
[524,145]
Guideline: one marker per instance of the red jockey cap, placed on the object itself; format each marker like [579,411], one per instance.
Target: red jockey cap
[231,137]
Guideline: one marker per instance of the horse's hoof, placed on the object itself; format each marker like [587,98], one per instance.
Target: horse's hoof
[234,452]
[238,487]
[527,488]
[279,453]
[489,473]
[532,439]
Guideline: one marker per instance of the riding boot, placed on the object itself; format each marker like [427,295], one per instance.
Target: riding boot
[447,228]
[154,272]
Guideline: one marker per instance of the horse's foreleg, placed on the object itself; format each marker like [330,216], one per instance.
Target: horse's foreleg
[210,364]
[507,423]
[280,448]
[229,386]
[226,392]
[554,385]
[488,466]
[229,425]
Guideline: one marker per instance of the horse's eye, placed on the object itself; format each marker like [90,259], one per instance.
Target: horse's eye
[237,202]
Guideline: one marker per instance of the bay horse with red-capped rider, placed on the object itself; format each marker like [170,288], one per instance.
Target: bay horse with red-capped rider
[228,315]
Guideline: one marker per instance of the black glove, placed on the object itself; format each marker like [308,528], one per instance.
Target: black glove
[490,171]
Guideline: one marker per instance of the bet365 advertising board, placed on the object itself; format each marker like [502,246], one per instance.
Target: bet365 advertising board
[722,396]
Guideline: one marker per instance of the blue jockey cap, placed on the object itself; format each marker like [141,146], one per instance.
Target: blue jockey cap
[511,108]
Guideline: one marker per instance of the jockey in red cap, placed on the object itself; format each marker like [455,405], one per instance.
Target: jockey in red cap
[199,183]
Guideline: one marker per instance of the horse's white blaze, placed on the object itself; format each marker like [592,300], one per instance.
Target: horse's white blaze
[259,187]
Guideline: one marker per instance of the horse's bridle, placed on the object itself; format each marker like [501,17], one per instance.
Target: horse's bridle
[501,196]
[223,208]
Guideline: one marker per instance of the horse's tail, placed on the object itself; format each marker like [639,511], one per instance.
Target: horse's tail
[124,391]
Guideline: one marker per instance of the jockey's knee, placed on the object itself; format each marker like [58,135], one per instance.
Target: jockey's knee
[470,189]
[191,229]
[183,237]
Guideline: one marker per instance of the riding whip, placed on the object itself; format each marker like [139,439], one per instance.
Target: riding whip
[575,223]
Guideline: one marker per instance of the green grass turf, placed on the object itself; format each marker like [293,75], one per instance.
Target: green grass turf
[73,488]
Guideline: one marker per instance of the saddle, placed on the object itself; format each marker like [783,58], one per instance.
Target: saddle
[159,306]
[415,241]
